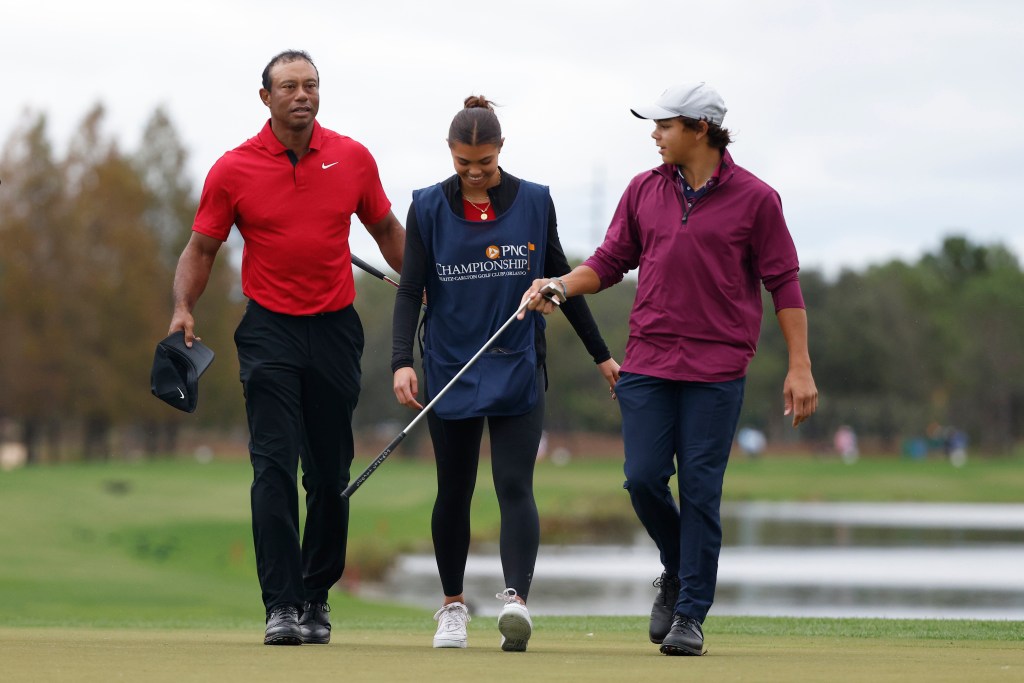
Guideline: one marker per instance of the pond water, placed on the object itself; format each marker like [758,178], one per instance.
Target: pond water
[781,559]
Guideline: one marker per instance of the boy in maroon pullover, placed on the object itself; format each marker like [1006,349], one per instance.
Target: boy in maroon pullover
[705,234]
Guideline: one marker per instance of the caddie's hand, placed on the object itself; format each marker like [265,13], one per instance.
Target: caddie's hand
[183,320]
[610,370]
[800,394]
[537,300]
[406,388]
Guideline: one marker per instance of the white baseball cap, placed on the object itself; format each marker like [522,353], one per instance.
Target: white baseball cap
[692,100]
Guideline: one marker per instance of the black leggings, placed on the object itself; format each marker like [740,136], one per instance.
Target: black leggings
[514,443]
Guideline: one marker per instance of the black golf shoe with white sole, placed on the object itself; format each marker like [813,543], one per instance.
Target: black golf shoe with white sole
[685,638]
[283,626]
[315,623]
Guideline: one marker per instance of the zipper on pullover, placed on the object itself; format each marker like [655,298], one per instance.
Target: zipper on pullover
[686,206]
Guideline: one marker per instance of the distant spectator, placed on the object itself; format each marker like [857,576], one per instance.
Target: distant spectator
[915,448]
[845,443]
[936,436]
[751,441]
[956,447]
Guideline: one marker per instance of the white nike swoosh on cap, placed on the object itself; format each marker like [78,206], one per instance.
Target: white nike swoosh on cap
[327,166]
[182,393]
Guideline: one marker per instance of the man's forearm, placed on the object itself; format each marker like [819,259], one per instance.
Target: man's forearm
[390,237]
[192,274]
[581,280]
[793,323]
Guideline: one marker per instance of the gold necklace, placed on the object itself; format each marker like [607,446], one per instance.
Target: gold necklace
[483,211]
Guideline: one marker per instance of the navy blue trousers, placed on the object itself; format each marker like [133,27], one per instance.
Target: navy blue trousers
[300,376]
[690,425]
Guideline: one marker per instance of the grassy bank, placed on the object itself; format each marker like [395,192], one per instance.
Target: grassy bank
[169,541]
[146,571]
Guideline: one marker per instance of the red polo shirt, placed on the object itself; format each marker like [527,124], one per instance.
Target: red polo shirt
[294,219]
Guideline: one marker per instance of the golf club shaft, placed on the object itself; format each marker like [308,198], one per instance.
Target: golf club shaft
[347,493]
[360,263]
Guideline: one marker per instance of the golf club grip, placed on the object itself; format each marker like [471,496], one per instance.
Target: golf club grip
[360,263]
[347,493]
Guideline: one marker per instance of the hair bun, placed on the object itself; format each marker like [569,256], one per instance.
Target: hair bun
[476,123]
[478,102]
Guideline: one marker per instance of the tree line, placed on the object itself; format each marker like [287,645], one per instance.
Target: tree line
[89,240]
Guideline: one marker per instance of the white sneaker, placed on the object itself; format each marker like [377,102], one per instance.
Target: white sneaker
[513,622]
[451,625]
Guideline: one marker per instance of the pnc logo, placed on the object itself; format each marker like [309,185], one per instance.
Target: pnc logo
[493,252]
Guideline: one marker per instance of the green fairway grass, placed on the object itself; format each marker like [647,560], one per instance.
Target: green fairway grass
[145,571]
[365,648]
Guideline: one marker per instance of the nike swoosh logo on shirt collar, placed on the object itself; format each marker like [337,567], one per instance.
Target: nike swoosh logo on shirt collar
[327,166]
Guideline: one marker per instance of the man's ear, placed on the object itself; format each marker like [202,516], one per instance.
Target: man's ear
[265,96]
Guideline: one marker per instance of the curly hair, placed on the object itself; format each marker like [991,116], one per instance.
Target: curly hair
[717,136]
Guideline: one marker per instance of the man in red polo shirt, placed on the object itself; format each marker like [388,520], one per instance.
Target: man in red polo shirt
[291,191]
[706,234]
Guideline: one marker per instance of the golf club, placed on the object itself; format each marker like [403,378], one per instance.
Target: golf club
[360,263]
[347,493]
[356,261]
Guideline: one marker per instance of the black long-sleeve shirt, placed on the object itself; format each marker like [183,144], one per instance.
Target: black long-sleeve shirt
[416,267]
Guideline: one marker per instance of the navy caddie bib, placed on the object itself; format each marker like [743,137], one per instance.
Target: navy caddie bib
[478,274]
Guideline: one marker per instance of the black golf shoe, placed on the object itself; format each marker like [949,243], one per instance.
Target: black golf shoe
[664,606]
[315,623]
[283,626]
[685,638]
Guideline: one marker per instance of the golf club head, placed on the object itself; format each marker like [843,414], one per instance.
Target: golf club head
[552,293]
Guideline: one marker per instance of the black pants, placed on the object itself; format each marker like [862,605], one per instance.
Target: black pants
[514,443]
[300,376]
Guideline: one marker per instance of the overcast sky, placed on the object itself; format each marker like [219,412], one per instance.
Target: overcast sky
[883,125]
